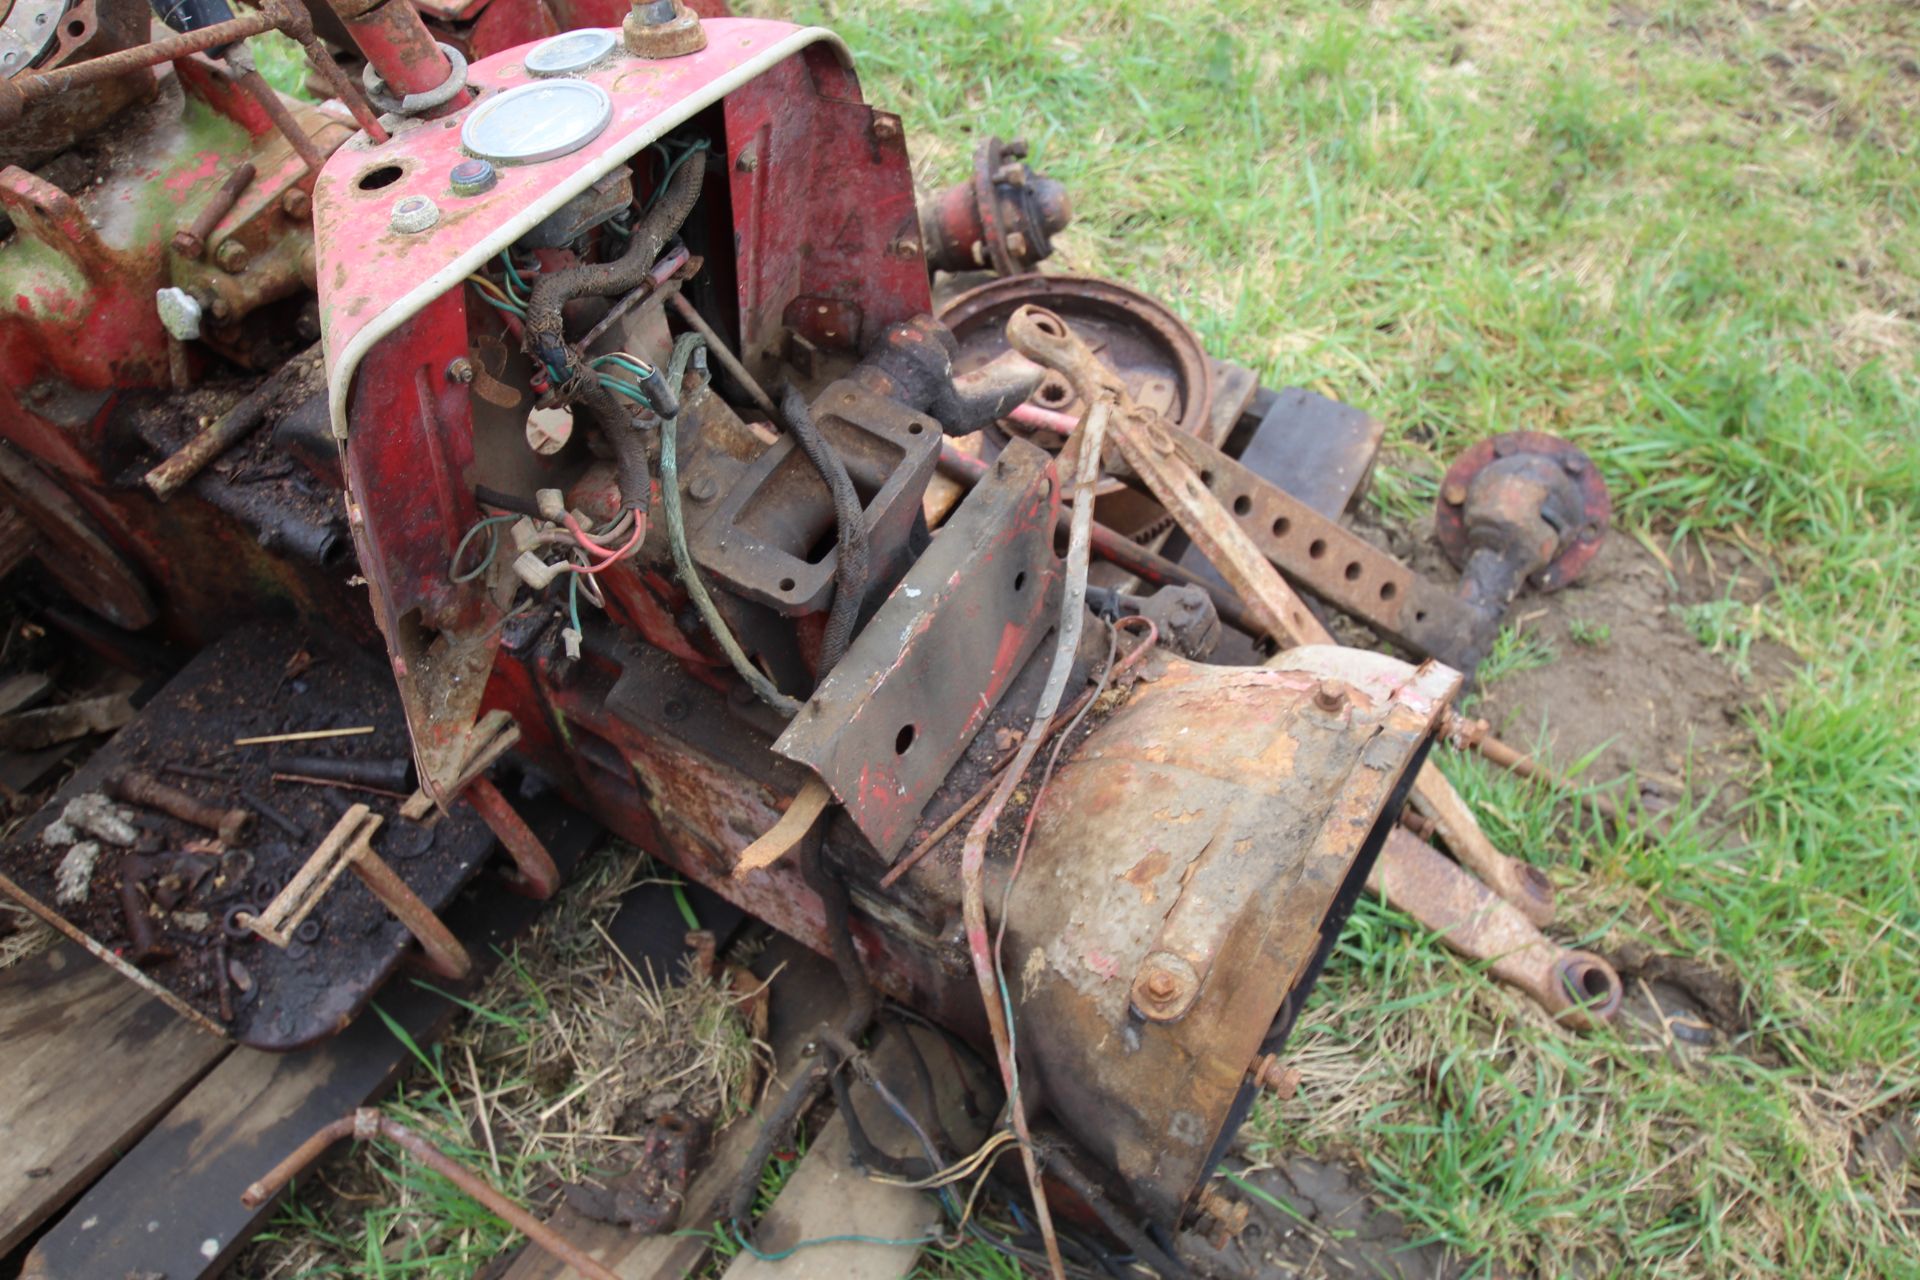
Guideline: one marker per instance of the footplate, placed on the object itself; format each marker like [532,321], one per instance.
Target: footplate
[165,903]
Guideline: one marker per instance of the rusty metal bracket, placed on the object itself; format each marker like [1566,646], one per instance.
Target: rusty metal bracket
[762,537]
[891,719]
[1577,987]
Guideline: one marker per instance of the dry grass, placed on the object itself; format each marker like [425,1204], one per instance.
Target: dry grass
[22,934]
[564,1057]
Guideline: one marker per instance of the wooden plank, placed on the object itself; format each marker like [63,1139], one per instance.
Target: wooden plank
[173,1204]
[805,993]
[23,692]
[91,1062]
[827,1196]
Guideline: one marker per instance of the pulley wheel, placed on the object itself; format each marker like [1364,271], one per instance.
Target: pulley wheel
[1154,352]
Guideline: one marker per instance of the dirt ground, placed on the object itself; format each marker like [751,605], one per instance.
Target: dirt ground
[1614,668]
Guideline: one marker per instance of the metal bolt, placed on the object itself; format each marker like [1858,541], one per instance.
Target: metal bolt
[1574,465]
[297,204]
[413,214]
[653,13]
[460,369]
[1272,1074]
[472,177]
[703,488]
[885,128]
[232,257]
[1161,985]
[1017,245]
[907,247]
[1455,494]
[1328,697]
[749,160]
[1225,1216]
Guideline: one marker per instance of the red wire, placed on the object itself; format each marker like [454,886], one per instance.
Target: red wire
[614,557]
[597,550]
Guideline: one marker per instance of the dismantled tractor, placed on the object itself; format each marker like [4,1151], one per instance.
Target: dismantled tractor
[604,391]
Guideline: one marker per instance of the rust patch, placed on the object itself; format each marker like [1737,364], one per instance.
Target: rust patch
[1144,874]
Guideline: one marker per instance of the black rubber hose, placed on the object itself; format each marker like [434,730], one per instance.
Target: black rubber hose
[850,570]
[546,338]
[630,467]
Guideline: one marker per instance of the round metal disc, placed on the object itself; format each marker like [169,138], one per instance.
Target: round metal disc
[1449,518]
[1154,352]
[537,122]
[27,31]
[571,52]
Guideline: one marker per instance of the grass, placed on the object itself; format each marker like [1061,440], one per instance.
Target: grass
[1681,234]
[561,1058]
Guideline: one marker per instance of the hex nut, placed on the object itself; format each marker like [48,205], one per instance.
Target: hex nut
[232,256]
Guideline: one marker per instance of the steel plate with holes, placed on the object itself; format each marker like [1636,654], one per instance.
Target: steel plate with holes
[925,673]
[1337,565]
[572,52]
[537,122]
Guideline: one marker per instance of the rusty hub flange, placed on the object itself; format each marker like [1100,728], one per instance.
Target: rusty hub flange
[1154,351]
[1578,544]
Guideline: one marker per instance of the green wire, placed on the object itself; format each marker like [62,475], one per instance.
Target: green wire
[573,602]
[741,1240]
[516,288]
[677,537]
[667,177]
[632,364]
[496,303]
[626,389]
[493,546]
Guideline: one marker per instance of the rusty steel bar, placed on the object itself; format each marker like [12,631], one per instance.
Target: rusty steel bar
[402,52]
[537,870]
[149,792]
[1516,761]
[256,87]
[1577,987]
[230,427]
[718,348]
[367,1123]
[339,83]
[444,953]
[385,775]
[190,241]
[16,94]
